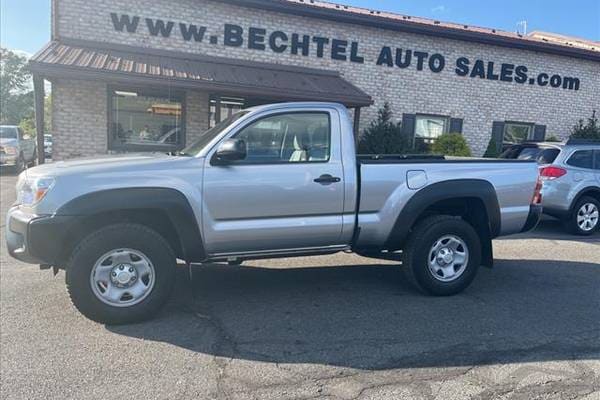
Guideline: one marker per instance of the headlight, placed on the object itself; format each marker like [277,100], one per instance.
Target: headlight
[9,150]
[31,191]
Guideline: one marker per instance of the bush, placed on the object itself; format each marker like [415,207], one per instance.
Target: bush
[552,138]
[383,136]
[492,150]
[589,130]
[451,144]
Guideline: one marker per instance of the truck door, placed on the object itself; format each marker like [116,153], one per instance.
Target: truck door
[288,192]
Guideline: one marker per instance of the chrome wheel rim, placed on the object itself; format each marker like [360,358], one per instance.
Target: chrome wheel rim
[122,277]
[587,217]
[448,258]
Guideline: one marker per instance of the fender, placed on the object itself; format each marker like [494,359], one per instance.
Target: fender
[586,191]
[446,190]
[172,202]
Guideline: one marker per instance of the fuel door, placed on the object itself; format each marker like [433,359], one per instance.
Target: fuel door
[416,179]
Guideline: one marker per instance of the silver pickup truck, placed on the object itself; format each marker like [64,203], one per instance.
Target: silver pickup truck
[270,181]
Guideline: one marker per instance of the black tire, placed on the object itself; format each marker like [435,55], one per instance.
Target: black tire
[416,254]
[571,221]
[119,236]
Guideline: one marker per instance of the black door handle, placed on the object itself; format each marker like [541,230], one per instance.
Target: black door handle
[326,179]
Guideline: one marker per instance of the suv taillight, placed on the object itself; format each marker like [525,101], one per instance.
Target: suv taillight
[551,172]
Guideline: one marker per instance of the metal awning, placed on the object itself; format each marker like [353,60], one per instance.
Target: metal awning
[116,63]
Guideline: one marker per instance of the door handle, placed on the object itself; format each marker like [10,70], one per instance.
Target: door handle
[326,179]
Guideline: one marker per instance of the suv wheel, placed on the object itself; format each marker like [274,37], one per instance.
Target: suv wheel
[442,256]
[584,218]
[120,274]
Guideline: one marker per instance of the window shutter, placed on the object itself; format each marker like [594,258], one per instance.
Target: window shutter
[456,125]
[498,134]
[539,133]
[408,126]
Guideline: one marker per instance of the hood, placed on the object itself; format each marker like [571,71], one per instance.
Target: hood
[8,142]
[109,163]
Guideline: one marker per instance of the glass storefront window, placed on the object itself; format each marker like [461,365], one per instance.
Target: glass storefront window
[146,120]
[515,133]
[221,108]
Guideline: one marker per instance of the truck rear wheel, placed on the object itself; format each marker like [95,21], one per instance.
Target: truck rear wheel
[442,255]
[120,274]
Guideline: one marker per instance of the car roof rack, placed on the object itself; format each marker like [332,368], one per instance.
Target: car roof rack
[578,141]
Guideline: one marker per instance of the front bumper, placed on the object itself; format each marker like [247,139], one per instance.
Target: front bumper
[533,218]
[8,159]
[36,239]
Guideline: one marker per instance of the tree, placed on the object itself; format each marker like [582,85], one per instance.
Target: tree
[16,97]
[451,144]
[384,136]
[589,130]
[28,123]
[492,150]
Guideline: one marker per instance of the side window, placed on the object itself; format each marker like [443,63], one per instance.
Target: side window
[597,159]
[581,159]
[287,138]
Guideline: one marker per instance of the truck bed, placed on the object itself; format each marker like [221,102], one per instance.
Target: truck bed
[385,189]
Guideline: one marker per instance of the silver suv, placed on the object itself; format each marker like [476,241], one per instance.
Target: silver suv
[570,175]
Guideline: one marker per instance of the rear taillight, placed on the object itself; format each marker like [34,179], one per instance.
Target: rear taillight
[551,172]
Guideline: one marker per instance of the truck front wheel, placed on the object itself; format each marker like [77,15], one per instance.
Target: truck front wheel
[442,255]
[121,273]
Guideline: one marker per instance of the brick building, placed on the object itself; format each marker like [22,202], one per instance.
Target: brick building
[144,75]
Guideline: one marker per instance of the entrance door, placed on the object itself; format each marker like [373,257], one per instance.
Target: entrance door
[288,193]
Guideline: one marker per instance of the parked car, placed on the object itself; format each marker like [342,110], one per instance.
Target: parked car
[271,181]
[48,145]
[570,174]
[543,153]
[16,148]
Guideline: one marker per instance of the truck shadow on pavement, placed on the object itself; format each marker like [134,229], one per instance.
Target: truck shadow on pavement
[366,317]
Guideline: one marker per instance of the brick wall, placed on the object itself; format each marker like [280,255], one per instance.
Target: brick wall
[478,101]
[79,115]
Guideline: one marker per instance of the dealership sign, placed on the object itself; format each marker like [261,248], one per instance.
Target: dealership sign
[279,42]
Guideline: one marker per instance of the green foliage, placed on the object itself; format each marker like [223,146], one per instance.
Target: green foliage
[451,144]
[16,98]
[589,130]
[492,150]
[384,136]
[552,138]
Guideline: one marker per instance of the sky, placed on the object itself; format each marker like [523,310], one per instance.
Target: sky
[25,24]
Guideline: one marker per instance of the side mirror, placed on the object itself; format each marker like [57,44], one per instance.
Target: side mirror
[231,150]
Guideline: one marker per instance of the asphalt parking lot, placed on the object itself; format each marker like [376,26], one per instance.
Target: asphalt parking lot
[338,327]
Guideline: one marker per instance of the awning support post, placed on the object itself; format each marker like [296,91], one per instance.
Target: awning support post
[356,124]
[38,90]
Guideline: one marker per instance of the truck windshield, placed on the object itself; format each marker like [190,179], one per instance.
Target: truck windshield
[210,134]
[8,132]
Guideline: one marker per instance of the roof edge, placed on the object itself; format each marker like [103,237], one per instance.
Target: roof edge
[108,46]
[381,22]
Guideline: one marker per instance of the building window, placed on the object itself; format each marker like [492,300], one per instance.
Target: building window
[427,129]
[146,120]
[221,107]
[517,132]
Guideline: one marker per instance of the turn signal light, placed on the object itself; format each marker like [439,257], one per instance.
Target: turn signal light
[551,172]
